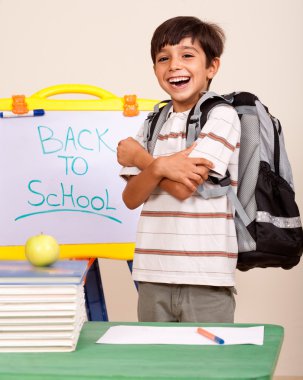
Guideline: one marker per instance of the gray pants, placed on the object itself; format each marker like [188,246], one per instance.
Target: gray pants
[160,302]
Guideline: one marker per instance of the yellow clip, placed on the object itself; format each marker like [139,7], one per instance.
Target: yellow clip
[130,106]
[19,105]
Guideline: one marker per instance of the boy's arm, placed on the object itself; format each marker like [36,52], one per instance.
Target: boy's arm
[180,183]
[140,186]
[177,167]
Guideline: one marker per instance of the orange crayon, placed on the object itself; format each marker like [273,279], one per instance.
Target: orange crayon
[209,335]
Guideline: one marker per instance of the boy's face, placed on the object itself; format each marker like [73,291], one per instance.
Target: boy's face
[181,72]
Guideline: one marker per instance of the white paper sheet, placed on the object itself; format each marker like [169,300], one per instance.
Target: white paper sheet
[181,335]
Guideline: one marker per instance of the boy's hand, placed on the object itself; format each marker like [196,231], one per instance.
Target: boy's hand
[128,151]
[180,168]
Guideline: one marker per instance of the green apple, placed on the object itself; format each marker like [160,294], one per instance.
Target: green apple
[42,250]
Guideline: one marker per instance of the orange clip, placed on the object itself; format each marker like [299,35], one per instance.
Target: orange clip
[130,107]
[19,105]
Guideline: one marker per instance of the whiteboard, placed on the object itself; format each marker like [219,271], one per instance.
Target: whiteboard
[60,177]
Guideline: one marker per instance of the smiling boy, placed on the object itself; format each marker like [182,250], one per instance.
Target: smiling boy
[186,248]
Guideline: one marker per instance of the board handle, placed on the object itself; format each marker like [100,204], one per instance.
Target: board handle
[104,101]
[74,89]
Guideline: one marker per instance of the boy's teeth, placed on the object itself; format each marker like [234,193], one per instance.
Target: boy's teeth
[176,80]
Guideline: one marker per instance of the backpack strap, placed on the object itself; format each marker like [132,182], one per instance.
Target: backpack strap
[153,124]
[199,113]
[230,193]
[196,121]
[276,145]
[202,109]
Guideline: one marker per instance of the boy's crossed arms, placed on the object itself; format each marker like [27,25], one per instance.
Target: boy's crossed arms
[178,174]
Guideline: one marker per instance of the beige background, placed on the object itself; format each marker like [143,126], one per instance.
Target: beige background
[106,44]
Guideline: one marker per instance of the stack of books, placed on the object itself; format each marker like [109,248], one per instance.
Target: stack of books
[41,309]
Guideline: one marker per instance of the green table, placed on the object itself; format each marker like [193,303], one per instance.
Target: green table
[147,362]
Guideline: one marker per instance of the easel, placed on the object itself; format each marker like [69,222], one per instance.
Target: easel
[94,293]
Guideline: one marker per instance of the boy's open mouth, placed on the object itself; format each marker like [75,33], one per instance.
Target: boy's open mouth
[179,81]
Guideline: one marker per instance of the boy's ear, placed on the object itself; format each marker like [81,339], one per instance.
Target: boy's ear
[213,67]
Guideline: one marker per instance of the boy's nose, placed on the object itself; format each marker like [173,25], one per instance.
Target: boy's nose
[175,64]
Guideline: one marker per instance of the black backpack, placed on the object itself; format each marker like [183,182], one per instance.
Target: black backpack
[268,224]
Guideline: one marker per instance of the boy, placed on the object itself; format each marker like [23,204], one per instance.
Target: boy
[186,249]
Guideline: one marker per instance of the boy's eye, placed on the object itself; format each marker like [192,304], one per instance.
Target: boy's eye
[187,55]
[162,59]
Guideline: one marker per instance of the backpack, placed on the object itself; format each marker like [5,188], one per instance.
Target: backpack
[267,219]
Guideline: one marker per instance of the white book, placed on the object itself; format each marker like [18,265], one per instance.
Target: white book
[38,313]
[54,320]
[49,298]
[35,335]
[28,290]
[36,294]
[12,307]
[37,327]
[37,342]
[39,349]
[25,326]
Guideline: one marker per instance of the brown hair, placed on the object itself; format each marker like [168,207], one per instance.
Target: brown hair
[210,36]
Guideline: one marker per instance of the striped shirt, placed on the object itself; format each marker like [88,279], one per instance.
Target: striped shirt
[191,241]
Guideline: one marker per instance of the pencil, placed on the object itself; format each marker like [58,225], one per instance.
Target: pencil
[209,335]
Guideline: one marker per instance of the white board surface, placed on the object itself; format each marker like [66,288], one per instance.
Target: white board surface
[60,177]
